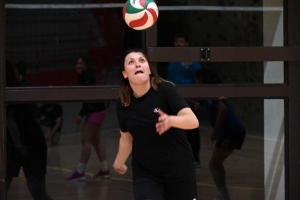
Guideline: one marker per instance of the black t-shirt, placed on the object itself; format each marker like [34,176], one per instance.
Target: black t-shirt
[34,161]
[29,128]
[48,119]
[51,116]
[31,134]
[88,78]
[168,157]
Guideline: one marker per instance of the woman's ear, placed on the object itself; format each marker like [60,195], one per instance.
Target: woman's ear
[124,74]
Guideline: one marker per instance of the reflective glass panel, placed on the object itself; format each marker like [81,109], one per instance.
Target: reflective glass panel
[183,73]
[255,171]
[221,23]
[45,40]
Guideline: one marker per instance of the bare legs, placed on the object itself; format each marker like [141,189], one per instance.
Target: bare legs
[55,138]
[36,185]
[217,168]
[91,137]
[99,146]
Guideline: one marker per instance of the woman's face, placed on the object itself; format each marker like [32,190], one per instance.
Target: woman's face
[80,66]
[180,42]
[136,68]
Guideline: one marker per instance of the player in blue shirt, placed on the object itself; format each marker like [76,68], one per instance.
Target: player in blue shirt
[182,73]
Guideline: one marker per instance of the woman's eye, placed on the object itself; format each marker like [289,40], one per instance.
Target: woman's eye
[130,62]
[142,60]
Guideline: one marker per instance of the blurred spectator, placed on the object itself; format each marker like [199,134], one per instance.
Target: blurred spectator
[183,73]
[51,115]
[94,114]
[21,70]
[26,145]
[228,132]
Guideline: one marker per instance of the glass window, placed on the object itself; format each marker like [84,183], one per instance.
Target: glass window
[258,167]
[253,172]
[221,23]
[227,72]
[45,40]
[50,135]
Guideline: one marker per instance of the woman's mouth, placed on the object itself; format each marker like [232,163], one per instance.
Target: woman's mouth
[138,72]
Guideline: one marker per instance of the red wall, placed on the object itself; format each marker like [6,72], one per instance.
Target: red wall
[53,78]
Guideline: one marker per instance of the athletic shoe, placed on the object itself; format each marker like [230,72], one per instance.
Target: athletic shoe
[102,174]
[77,176]
[197,164]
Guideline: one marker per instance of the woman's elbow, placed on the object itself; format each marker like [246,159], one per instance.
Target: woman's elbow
[194,123]
[197,123]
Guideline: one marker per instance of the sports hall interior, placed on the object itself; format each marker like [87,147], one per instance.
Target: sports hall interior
[252,44]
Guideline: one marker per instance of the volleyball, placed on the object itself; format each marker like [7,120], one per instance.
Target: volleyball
[140,14]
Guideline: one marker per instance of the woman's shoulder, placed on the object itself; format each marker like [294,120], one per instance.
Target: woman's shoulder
[165,85]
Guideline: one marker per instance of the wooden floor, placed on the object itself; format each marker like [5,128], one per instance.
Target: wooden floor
[245,172]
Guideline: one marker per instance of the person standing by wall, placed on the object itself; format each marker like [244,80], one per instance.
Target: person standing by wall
[51,115]
[181,73]
[21,70]
[26,145]
[94,114]
[228,132]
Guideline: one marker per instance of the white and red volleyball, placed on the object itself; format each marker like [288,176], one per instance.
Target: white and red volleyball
[140,14]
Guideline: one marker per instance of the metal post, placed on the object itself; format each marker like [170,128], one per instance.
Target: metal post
[2,108]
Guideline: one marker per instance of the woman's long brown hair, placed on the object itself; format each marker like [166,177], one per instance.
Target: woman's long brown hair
[125,88]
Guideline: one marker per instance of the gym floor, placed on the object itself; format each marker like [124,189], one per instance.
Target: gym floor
[245,172]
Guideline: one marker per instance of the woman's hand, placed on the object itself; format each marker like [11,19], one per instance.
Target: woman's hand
[164,122]
[120,168]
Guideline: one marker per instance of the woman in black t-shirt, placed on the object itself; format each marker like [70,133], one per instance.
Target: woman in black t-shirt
[25,146]
[94,114]
[152,117]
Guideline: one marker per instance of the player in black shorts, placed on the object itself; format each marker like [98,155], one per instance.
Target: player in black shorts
[228,132]
[152,118]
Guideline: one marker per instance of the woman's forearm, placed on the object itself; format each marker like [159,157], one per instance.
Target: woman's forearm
[124,151]
[185,119]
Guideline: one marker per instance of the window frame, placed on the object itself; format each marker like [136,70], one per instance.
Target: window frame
[290,90]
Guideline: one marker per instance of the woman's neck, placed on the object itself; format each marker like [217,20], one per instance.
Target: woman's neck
[140,90]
